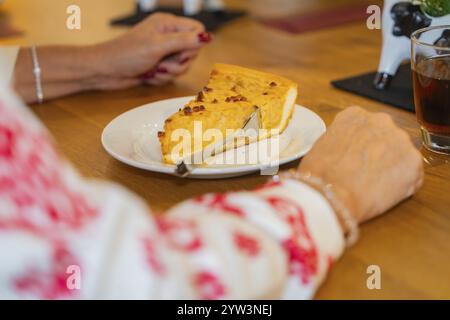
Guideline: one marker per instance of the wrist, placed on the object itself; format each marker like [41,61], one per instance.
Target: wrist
[342,194]
[337,198]
[347,200]
[94,61]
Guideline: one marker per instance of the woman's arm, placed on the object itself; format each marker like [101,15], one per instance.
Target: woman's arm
[62,236]
[65,70]
[139,56]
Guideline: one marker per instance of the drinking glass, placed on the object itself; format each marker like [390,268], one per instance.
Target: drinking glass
[430,64]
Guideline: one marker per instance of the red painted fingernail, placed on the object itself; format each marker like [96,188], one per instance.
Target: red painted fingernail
[205,37]
[162,70]
[148,75]
[185,60]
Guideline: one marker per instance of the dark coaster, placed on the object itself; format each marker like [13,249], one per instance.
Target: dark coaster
[399,94]
[211,20]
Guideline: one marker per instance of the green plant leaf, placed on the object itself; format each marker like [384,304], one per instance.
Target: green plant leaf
[436,8]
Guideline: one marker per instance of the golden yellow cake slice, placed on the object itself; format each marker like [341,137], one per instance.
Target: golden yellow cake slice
[224,105]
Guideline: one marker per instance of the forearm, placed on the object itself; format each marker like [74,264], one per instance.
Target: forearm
[64,70]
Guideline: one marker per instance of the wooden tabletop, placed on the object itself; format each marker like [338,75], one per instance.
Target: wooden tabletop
[410,243]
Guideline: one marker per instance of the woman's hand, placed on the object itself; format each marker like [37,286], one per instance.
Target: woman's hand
[155,51]
[371,163]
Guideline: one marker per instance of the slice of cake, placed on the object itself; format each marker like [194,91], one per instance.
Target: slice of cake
[233,94]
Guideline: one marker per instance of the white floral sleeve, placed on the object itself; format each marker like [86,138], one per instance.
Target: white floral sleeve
[275,242]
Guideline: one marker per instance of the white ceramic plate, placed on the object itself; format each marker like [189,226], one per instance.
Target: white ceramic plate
[132,139]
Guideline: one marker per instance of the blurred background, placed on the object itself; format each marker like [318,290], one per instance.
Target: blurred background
[50,15]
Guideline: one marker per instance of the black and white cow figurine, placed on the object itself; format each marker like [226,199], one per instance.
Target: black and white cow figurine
[400,20]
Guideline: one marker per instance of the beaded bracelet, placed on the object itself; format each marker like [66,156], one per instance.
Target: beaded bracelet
[37,75]
[326,189]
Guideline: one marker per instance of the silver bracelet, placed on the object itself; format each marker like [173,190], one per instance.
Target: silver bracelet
[37,75]
[326,189]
